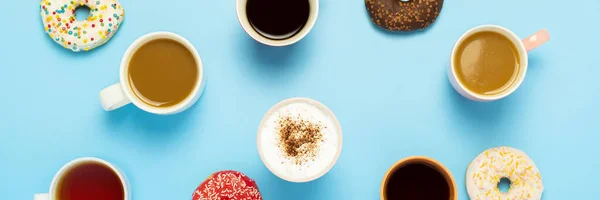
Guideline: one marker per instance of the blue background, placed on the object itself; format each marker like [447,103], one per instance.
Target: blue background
[389,91]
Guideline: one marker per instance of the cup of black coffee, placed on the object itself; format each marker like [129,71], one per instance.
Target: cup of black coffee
[418,177]
[277,22]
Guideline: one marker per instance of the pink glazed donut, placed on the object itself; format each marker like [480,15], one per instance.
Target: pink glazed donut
[58,17]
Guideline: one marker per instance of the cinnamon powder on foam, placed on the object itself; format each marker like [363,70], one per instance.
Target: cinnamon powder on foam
[299,139]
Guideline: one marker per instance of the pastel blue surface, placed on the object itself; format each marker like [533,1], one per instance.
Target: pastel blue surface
[389,91]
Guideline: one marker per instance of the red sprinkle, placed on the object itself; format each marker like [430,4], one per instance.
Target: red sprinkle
[69,43]
[48,25]
[109,19]
[44,7]
[54,13]
[101,20]
[93,25]
[92,39]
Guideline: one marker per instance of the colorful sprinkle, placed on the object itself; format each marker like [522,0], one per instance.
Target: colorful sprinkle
[487,169]
[73,34]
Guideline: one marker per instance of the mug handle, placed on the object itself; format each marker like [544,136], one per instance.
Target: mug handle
[536,40]
[113,97]
[41,197]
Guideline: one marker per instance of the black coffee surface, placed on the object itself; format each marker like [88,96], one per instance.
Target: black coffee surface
[417,182]
[278,19]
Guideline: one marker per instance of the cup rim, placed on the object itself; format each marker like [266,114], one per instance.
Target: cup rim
[420,159]
[516,40]
[75,162]
[244,22]
[322,108]
[190,99]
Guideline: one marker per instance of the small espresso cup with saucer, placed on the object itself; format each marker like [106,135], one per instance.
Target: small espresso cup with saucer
[418,177]
[472,53]
[77,178]
[124,92]
[299,16]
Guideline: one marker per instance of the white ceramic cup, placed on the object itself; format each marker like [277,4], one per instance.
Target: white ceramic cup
[243,19]
[51,195]
[121,94]
[523,46]
[267,153]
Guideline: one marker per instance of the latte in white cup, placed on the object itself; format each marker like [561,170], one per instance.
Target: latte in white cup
[299,140]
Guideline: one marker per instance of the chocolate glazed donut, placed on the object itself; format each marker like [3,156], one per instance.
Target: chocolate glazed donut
[404,15]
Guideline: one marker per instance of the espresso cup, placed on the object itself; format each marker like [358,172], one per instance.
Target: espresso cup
[121,94]
[443,180]
[249,29]
[58,178]
[522,46]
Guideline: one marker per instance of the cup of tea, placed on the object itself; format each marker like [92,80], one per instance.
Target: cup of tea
[276,22]
[88,178]
[160,73]
[489,62]
[418,177]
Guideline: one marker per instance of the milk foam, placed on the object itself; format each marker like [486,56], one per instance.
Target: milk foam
[273,156]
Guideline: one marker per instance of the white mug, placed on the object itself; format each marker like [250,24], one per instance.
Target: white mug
[243,19]
[523,46]
[269,153]
[51,195]
[121,94]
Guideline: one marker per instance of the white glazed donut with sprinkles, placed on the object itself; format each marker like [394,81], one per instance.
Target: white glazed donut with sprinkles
[58,17]
[486,170]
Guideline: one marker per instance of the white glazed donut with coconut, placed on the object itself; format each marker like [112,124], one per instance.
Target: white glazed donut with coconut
[486,170]
[58,17]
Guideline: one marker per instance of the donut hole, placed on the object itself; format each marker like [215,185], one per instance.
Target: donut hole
[504,184]
[82,13]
